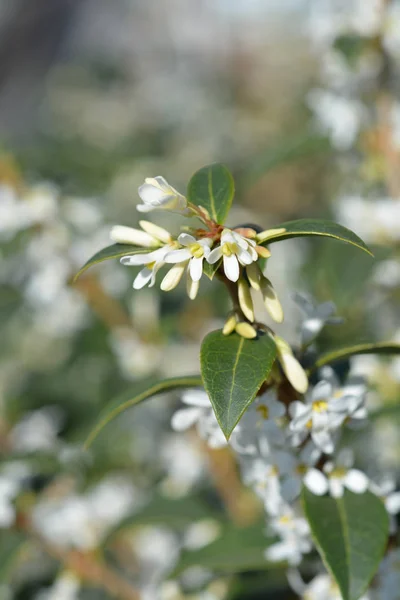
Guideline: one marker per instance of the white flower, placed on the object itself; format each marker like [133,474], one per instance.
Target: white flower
[386,490]
[317,316]
[338,476]
[8,491]
[236,250]
[201,414]
[303,466]
[194,252]
[259,420]
[295,534]
[156,193]
[323,587]
[321,414]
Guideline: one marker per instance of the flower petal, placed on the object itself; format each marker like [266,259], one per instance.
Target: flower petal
[185,239]
[231,267]
[177,256]
[184,418]
[172,278]
[197,398]
[316,482]
[128,235]
[356,481]
[142,278]
[158,232]
[323,440]
[196,268]
[214,255]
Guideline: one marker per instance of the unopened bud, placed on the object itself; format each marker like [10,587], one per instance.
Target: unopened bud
[271,300]
[172,278]
[262,251]
[254,275]
[269,233]
[246,330]
[245,301]
[230,325]
[291,366]
[192,287]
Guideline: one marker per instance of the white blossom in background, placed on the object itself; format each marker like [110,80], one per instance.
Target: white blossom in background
[387,490]
[199,412]
[375,220]
[157,551]
[337,476]
[295,537]
[316,317]
[341,118]
[81,521]
[322,587]
[157,194]
[37,430]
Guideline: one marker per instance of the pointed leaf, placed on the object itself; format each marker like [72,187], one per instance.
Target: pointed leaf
[233,369]
[367,348]
[117,406]
[351,535]
[210,270]
[113,251]
[213,188]
[237,549]
[321,227]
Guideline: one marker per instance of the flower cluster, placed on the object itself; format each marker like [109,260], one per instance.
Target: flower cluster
[233,253]
[284,444]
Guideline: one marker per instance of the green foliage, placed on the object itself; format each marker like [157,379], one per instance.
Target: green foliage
[113,251]
[351,534]
[118,405]
[212,188]
[11,546]
[237,549]
[367,348]
[210,270]
[322,227]
[233,369]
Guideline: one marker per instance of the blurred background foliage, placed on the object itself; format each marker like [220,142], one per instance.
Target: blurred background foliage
[95,96]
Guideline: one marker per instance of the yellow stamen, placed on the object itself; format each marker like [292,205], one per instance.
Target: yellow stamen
[263,410]
[151,265]
[319,406]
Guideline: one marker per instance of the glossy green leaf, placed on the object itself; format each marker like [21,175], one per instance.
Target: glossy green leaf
[233,370]
[321,227]
[213,188]
[116,407]
[237,549]
[367,348]
[351,535]
[114,251]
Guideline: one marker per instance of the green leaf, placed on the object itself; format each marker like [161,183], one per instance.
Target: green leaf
[351,534]
[367,348]
[12,545]
[233,369]
[210,270]
[118,405]
[306,227]
[236,550]
[114,251]
[213,188]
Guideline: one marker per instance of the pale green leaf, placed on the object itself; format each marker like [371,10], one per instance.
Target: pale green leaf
[116,407]
[113,251]
[233,369]
[366,348]
[210,270]
[212,188]
[351,535]
[321,227]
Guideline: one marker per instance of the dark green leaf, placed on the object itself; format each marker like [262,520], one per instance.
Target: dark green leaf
[117,406]
[11,546]
[367,348]
[321,227]
[233,370]
[114,251]
[351,534]
[213,188]
[236,550]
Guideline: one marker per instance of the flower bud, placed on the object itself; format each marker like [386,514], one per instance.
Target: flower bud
[230,325]
[269,233]
[128,235]
[192,287]
[271,300]
[254,275]
[158,232]
[173,277]
[246,330]
[245,300]
[291,366]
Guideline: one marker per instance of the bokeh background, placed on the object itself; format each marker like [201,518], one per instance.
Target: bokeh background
[300,98]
